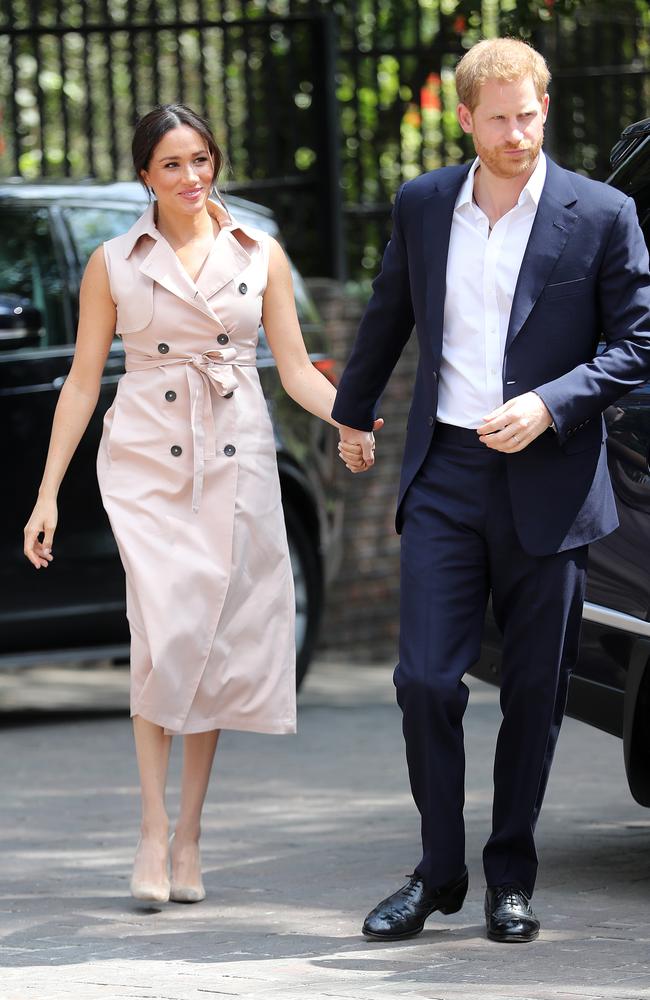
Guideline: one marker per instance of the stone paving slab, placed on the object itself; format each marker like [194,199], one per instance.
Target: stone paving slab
[302,836]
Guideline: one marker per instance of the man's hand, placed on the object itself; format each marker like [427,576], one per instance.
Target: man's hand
[514,425]
[357,448]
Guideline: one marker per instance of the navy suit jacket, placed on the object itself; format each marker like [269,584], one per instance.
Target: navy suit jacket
[584,275]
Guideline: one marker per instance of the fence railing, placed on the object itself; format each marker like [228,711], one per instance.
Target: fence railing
[73,87]
[323,107]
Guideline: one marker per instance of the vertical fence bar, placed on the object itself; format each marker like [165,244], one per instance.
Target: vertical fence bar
[34,37]
[180,85]
[90,124]
[225,48]
[203,83]
[323,35]
[155,55]
[250,131]
[132,63]
[354,66]
[108,42]
[417,38]
[294,137]
[375,43]
[65,121]
[15,114]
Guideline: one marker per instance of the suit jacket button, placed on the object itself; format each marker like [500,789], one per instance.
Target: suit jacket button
[243,288]
[170,395]
[223,338]
[430,421]
[176,450]
[229,450]
[163,348]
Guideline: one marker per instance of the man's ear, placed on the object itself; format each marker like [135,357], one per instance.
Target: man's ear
[464,116]
[545,103]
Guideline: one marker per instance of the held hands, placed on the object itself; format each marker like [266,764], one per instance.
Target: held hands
[43,520]
[514,425]
[357,448]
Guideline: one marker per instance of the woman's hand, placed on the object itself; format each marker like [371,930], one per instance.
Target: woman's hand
[43,520]
[357,448]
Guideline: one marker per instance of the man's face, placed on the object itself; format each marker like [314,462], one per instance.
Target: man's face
[507,126]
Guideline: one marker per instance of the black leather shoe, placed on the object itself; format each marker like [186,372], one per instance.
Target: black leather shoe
[402,915]
[509,915]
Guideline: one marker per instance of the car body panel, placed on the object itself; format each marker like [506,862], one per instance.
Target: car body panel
[79,603]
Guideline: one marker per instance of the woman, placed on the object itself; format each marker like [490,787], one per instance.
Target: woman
[188,475]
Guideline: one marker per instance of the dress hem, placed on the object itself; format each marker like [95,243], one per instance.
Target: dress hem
[277,729]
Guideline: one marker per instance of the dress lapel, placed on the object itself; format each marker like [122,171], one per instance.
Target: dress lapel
[226,259]
[553,223]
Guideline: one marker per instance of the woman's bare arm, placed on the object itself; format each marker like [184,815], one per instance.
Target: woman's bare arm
[76,403]
[299,378]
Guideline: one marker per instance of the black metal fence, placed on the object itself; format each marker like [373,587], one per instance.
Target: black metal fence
[73,84]
[600,58]
[323,106]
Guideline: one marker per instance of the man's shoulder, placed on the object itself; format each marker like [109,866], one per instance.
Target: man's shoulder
[435,180]
[589,191]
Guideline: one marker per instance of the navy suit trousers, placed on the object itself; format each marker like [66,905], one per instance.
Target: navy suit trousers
[459,545]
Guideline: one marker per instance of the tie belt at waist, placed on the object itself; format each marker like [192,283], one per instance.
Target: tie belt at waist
[211,370]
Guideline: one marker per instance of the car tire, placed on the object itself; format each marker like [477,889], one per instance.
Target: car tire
[308,585]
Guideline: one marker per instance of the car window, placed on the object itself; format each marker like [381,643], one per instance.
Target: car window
[88,226]
[30,269]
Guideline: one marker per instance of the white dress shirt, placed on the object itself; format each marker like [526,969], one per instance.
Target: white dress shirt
[482,272]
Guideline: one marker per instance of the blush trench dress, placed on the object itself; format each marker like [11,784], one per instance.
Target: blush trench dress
[188,476]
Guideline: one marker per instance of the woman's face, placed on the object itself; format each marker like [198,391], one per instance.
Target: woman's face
[180,171]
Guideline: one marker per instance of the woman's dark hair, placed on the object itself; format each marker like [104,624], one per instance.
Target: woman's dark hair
[157,123]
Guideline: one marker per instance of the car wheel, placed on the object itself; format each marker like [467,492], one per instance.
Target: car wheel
[307,581]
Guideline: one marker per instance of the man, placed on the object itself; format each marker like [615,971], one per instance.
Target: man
[511,269]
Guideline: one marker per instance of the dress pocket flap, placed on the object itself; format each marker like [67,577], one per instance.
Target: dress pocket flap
[135,307]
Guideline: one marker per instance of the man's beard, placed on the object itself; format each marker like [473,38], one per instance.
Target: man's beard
[504,166]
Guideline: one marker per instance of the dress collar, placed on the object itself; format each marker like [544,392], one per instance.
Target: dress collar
[146,226]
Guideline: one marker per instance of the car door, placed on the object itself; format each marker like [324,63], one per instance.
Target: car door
[79,600]
[618,581]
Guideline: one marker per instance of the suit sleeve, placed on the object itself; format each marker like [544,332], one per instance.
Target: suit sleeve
[624,300]
[385,327]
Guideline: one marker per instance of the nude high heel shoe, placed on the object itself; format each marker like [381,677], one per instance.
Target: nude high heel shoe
[186,893]
[150,892]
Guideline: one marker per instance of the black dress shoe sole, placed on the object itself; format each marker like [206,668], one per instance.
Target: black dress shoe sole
[506,938]
[395,937]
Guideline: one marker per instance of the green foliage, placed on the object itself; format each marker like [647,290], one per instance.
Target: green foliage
[70,101]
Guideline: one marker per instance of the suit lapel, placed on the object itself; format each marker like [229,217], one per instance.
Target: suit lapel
[553,223]
[437,216]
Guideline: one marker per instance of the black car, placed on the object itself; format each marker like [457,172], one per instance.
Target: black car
[76,609]
[610,687]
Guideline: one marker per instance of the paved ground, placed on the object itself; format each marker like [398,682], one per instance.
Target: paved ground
[302,835]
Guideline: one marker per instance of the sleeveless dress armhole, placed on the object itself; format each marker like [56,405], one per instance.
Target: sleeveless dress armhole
[265,249]
[107,261]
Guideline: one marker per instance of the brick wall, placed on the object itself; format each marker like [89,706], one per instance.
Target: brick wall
[361,614]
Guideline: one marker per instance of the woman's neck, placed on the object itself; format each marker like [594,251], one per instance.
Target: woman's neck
[179,230]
